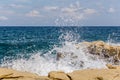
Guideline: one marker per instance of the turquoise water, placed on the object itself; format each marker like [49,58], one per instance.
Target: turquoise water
[18,43]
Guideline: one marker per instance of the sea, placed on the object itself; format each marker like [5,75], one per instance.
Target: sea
[34,48]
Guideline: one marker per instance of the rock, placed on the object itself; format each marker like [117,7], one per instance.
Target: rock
[111,66]
[59,55]
[54,75]
[95,74]
[96,47]
[101,48]
[9,74]
[82,44]
[98,43]
[112,73]
[99,78]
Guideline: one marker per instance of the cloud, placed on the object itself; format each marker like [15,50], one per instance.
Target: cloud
[111,10]
[2,18]
[33,13]
[75,11]
[89,11]
[73,14]
[68,10]
[16,6]
[72,8]
[51,8]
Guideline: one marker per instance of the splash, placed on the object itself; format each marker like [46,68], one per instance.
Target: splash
[113,39]
[66,57]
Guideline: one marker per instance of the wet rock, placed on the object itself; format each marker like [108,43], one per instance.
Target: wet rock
[111,66]
[102,49]
[59,55]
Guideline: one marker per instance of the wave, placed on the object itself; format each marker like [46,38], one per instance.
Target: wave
[67,57]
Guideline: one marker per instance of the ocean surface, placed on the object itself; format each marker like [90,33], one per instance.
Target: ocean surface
[34,49]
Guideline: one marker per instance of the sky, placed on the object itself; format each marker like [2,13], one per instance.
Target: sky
[59,12]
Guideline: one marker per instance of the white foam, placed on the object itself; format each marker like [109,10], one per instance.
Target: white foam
[74,59]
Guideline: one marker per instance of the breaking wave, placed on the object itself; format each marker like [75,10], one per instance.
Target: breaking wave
[65,57]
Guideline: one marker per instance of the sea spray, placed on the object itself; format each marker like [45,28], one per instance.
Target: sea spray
[72,58]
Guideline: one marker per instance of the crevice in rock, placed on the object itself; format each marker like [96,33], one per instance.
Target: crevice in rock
[99,78]
[11,77]
[69,77]
[6,75]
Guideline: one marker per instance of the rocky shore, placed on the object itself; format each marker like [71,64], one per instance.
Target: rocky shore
[99,48]
[103,50]
[110,73]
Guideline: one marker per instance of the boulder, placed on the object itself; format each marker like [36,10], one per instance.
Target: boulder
[54,75]
[95,74]
[9,74]
[109,66]
[103,49]
[110,73]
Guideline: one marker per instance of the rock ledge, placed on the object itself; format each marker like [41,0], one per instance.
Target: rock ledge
[110,73]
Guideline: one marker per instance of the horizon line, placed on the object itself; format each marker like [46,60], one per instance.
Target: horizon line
[55,26]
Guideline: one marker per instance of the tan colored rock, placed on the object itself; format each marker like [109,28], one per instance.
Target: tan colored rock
[101,48]
[9,74]
[54,75]
[83,44]
[98,43]
[118,52]
[112,73]
[96,46]
[86,43]
[111,66]
[95,74]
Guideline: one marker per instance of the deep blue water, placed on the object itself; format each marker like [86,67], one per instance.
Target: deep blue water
[27,40]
